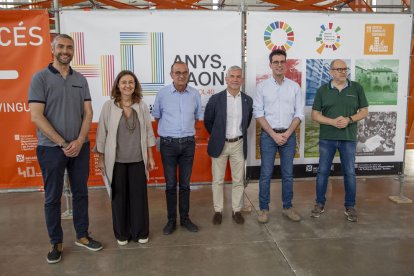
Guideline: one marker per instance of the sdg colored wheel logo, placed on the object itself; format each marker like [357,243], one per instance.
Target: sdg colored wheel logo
[279,35]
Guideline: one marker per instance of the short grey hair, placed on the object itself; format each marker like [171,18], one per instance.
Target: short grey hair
[233,68]
[61,36]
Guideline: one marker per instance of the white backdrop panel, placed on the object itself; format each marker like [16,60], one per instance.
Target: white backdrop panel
[307,33]
[149,42]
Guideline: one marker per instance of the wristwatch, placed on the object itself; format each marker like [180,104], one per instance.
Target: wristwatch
[350,119]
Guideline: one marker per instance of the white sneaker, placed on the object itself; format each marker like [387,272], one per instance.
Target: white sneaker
[122,242]
[263,216]
[142,241]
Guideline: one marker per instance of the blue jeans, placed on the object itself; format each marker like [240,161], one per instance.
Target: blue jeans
[327,150]
[177,152]
[268,150]
[53,163]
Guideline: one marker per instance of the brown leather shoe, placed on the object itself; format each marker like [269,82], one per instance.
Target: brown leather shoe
[238,218]
[217,218]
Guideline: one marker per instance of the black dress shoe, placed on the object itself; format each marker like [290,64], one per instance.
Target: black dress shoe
[238,218]
[189,225]
[217,218]
[169,227]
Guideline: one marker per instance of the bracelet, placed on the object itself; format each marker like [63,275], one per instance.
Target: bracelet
[350,119]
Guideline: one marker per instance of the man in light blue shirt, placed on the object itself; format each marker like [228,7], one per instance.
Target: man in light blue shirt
[278,108]
[176,108]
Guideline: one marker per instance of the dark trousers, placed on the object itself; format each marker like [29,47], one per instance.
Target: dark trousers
[53,162]
[177,153]
[130,201]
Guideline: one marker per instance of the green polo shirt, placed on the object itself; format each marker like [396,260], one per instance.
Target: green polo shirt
[332,104]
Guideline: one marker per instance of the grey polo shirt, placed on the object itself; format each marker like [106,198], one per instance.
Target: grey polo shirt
[64,101]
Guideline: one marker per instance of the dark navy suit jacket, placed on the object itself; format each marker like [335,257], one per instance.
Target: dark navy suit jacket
[215,117]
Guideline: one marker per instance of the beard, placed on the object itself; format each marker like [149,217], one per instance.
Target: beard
[62,60]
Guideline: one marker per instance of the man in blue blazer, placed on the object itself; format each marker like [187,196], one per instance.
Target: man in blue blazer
[227,118]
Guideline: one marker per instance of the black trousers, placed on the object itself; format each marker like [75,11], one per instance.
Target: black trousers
[53,162]
[130,201]
[177,153]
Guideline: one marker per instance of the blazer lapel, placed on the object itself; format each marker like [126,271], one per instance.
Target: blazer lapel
[245,110]
[223,106]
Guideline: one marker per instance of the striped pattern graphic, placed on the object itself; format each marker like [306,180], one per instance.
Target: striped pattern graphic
[151,88]
[79,51]
[129,40]
[105,69]
[127,57]
[135,38]
[107,73]
[157,57]
[88,70]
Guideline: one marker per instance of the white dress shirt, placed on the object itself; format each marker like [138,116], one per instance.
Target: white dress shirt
[278,103]
[234,116]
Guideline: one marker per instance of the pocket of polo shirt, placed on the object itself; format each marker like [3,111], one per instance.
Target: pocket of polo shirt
[350,100]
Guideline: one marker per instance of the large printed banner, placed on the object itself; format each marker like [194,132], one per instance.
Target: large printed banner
[147,43]
[24,49]
[376,48]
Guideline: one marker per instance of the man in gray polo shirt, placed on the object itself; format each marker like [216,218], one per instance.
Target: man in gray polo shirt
[60,106]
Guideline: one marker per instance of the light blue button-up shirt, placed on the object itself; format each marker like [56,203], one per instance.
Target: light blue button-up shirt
[177,111]
[279,104]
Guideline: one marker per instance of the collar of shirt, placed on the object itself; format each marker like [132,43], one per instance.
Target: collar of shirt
[55,71]
[230,95]
[283,80]
[331,85]
[173,89]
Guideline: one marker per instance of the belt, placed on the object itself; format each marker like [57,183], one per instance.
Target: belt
[178,140]
[283,130]
[234,139]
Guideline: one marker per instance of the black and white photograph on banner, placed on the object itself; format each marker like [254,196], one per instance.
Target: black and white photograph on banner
[376,134]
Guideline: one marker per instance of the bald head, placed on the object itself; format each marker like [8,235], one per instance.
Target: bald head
[337,63]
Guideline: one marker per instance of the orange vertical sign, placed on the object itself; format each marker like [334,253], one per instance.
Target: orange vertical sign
[379,39]
[24,49]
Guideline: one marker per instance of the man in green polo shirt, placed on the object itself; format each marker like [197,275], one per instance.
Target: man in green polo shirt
[337,107]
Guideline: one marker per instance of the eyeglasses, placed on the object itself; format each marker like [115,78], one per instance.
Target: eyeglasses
[276,62]
[127,82]
[178,73]
[340,70]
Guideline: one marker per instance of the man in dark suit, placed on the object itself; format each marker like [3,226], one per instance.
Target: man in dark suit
[226,118]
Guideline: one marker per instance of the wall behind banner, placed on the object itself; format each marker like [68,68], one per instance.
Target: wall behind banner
[376,48]
[24,49]
[147,43]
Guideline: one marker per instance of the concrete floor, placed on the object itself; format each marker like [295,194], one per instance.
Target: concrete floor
[381,243]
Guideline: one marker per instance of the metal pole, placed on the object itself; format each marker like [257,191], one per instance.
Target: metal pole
[400,198]
[247,206]
[68,214]
[57,16]
[243,42]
